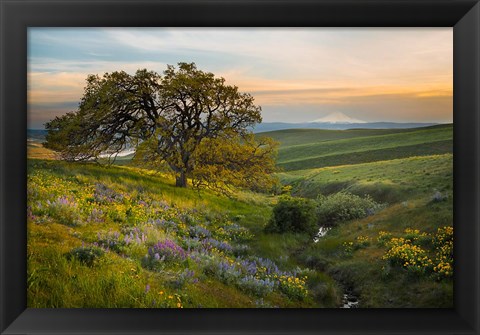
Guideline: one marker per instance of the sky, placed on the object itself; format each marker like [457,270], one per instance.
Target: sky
[294,74]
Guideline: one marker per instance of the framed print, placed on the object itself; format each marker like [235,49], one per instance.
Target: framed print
[240,167]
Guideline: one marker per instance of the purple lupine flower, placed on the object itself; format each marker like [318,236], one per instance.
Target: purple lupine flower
[63,201]
[169,250]
[199,231]
[104,194]
[220,245]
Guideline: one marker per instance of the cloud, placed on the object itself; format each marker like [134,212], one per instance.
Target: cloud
[311,70]
[39,113]
[373,108]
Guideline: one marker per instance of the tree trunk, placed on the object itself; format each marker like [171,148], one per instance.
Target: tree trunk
[181,180]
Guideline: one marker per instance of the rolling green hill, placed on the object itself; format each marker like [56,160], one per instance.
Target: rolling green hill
[386,181]
[330,148]
[92,229]
[126,237]
[411,171]
[289,137]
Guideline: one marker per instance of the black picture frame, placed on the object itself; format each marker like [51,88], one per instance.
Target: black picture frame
[18,15]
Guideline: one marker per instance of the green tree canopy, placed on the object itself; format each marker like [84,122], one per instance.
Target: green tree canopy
[188,119]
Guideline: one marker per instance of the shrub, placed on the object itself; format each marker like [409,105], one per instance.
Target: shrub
[361,242]
[293,215]
[420,238]
[257,286]
[199,232]
[443,241]
[224,271]
[86,255]
[167,251]
[293,287]
[348,248]
[383,238]
[110,241]
[407,255]
[184,277]
[234,232]
[287,189]
[413,253]
[65,211]
[344,206]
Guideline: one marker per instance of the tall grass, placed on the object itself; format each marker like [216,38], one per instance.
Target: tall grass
[162,246]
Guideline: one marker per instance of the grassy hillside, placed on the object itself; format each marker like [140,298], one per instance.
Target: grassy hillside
[411,172]
[387,181]
[125,237]
[289,137]
[36,150]
[386,259]
[313,149]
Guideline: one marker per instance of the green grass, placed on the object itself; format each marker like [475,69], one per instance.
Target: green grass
[372,279]
[386,181]
[291,137]
[67,211]
[371,155]
[332,148]
[402,168]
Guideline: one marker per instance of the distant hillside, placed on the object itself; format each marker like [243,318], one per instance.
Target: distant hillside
[271,126]
[306,149]
[337,117]
[386,181]
[37,135]
[314,148]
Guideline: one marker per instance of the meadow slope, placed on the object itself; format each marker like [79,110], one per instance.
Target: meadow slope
[305,149]
[411,172]
[126,237]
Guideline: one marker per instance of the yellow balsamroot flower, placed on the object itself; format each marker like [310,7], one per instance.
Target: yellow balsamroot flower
[363,238]
[407,254]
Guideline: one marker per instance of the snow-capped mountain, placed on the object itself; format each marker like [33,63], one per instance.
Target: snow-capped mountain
[337,118]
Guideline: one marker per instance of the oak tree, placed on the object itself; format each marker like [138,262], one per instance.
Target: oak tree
[188,119]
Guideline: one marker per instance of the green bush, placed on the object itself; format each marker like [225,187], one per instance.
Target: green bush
[344,206]
[86,255]
[293,215]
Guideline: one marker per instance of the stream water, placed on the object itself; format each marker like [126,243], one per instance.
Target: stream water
[349,299]
[322,231]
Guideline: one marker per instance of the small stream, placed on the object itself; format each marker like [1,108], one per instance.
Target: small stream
[349,299]
[322,231]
